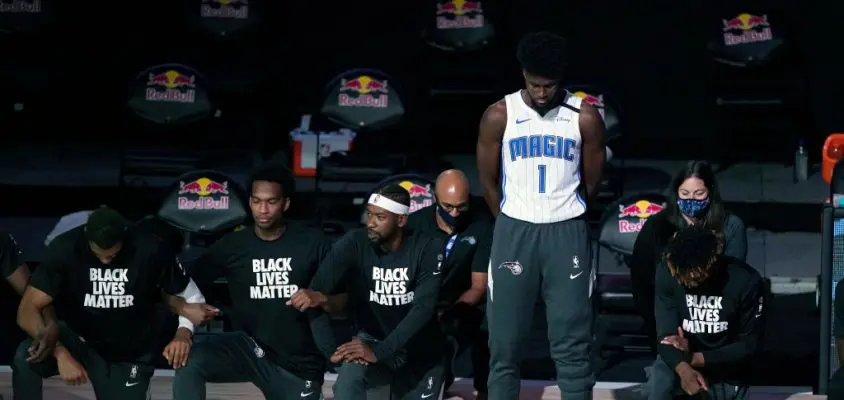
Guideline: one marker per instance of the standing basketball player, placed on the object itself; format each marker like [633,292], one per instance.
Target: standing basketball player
[548,149]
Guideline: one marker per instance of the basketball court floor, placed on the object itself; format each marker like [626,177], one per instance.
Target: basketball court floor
[772,206]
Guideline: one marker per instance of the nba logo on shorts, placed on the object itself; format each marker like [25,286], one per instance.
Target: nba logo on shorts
[133,373]
[259,352]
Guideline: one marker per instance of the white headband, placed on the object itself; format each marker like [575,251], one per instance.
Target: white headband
[377,200]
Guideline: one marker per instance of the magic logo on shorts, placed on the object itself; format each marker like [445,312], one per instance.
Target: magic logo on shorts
[203,194]
[171,87]
[746,28]
[631,218]
[363,91]
[460,14]
[420,196]
[231,9]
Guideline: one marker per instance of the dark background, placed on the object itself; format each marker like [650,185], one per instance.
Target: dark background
[649,55]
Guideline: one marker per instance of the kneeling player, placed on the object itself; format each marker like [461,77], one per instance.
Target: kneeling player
[107,278]
[393,284]
[274,347]
[709,314]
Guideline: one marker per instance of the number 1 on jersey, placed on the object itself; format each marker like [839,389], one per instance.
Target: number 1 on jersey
[541,168]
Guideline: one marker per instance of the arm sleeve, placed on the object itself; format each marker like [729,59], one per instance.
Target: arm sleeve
[10,256]
[735,236]
[174,279]
[481,261]
[751,325]
[667,317]
[838,312]
[48,277]
[192,295]
[427,289]
[332,269]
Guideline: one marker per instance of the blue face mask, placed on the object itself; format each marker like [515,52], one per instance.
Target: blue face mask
[693,208]
[457,222]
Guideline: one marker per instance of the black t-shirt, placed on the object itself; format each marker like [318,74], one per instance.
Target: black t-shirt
[392,296]
[469,251]
[262,275]
[10,255]
[110,306]
[838,311]
[724,319]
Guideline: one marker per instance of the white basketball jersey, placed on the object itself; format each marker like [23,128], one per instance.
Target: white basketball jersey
[540,162]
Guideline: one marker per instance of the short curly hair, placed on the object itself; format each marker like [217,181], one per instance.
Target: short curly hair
[543,54]
[692,254]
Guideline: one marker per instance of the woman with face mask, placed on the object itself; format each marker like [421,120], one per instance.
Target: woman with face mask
[693,200]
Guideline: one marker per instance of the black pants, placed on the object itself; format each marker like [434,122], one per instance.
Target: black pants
[643,296]
[464,326]
[552,261]
[412,381]
[123,380]
[835,391]
[664,384]
[235,357]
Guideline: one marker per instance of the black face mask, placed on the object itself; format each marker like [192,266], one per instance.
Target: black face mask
[459,222]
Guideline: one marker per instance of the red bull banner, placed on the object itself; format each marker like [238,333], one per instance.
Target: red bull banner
[421,194]
[170,93]
[624,219]
[744,39]
[363,98]
[224,17]
[25,16]
[206,199]
[459,25]
[746,28]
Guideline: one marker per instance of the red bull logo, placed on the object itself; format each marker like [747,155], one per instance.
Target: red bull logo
[746,28]
[172,87]
[641,209]
[231,9]
[460,14]
[363,91]
[596,101]
[203,194]
[20,6]
[420,196]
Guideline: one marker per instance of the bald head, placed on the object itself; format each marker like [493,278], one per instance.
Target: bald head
[452,188]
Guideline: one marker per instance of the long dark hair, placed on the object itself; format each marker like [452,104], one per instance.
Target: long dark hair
[715,214]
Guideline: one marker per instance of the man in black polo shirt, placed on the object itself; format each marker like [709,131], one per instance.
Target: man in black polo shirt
[392,277]
[274,347]
[107,279]
[467,235]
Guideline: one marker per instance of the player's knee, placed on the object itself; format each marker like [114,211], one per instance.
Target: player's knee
[661,380]
[505,346]
[196,367]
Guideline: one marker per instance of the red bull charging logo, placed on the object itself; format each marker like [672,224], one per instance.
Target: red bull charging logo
[641,209]
[363,91]
[460,14]
[747,28]
[420,196]
[20,6]
[203,194]
[171,87]
[596,101]
[232,9]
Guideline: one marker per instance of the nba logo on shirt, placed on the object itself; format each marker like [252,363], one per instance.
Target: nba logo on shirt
[540,161]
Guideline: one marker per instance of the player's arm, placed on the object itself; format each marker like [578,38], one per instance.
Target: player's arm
[592,132]
[11,264]
[426,292]
[178,290]
[480,266]
[667,317]
[35,311]
[751,326]
[491,132]
[336,304]
[332,269]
